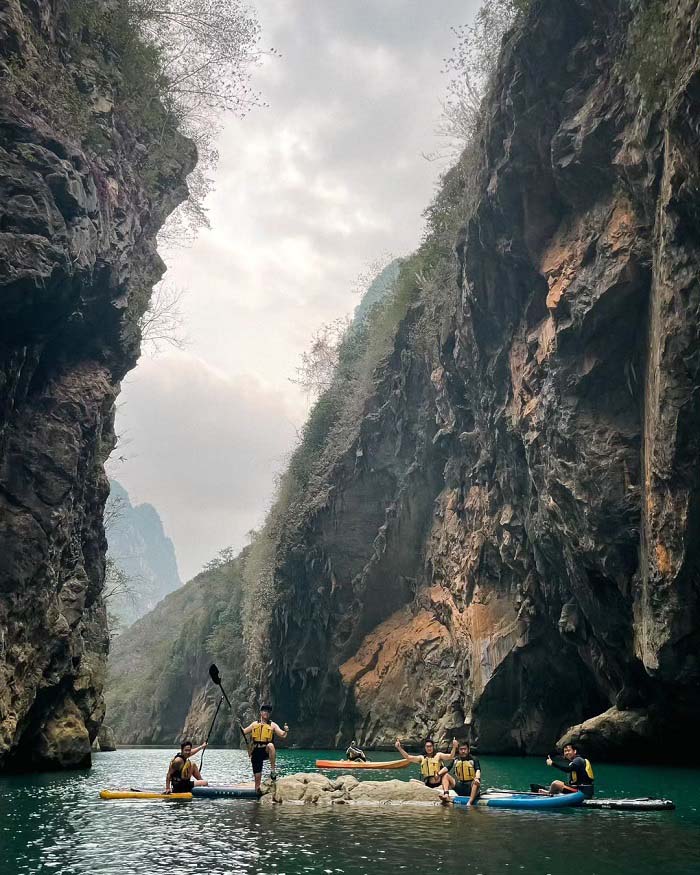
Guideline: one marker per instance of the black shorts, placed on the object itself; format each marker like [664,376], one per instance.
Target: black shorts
[257,758]
[429,782]
[464,788]
[182,786]
[587,790]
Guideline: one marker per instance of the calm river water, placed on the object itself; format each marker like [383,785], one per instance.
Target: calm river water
[56,823]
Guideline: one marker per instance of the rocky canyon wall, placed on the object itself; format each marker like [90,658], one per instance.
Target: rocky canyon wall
[81,200]
[509,544]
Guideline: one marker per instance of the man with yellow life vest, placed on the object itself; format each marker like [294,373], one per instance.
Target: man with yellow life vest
[467,775]
[580,772]
[432,772]
[262,733]
[183,775]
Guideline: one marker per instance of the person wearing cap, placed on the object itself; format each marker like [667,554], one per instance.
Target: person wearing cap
[262,733]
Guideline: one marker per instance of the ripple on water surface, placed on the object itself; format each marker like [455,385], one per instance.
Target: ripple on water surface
[57,823]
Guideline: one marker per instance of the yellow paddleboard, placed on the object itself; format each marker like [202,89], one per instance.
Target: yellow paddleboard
[142,794]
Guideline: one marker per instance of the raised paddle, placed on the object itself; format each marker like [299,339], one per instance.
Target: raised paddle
[216,678]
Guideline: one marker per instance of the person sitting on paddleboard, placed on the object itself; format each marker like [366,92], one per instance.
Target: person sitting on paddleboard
[580,773]
[431,768]
[467,775]
[183,774]
[354,753]
[262,733]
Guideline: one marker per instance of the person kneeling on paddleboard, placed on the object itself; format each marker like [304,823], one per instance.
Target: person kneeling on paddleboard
[354,753]
[580,773]
[183,774]
[467,775]
[262,733]
[431,764]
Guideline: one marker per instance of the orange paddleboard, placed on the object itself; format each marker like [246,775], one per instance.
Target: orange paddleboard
[354,764]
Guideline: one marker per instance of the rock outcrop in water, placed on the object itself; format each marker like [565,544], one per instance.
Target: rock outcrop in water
[502,540]
[81,203]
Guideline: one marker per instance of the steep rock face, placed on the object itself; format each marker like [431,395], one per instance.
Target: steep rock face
[510,546]
[139,546]
[77,261]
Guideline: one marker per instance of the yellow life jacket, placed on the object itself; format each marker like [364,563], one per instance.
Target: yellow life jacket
[262,734]
[589,774]
[430,766]
[464,769]
[181,773]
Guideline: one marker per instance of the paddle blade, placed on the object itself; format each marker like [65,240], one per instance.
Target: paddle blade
[214,675]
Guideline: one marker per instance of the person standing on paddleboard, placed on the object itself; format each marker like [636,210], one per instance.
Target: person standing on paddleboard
[183,775]
[262,733]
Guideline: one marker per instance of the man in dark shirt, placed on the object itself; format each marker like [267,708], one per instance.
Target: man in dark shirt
[579,770]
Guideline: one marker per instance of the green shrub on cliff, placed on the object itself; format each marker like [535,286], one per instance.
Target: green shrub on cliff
[649,55]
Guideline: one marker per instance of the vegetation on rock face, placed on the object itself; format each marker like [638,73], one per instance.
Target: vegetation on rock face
[158,667]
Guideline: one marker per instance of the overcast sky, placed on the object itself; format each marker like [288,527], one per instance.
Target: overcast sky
[309,191]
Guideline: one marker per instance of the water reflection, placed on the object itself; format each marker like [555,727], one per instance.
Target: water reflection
[57,823]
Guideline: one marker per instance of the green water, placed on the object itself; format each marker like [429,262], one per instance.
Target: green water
[56,823]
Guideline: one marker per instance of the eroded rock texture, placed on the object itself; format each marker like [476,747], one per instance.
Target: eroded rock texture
[511,545]
[77,261]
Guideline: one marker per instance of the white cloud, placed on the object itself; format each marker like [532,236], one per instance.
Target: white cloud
[308,192]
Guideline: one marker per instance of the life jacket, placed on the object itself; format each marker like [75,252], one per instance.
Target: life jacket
[262,734]
[588,778]
[430,766]
[181,773]
[464,769]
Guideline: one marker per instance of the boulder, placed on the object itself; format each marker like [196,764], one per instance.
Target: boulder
[392,792]
[105,739]
[63,742]
[310,789]
[614,734]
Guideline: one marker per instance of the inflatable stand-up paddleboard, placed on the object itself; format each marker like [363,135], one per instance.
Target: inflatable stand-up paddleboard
[355,764]
[531,801]
[229,791]
[644,804]
[144,794]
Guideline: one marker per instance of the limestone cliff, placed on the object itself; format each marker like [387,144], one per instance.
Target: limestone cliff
[139,547]
[82,196]
[491,526]
[508,543]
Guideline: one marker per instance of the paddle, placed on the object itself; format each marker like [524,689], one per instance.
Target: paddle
[248,744]
[216,678]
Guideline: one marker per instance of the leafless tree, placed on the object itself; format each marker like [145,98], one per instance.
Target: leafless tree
[114,511]
[318,364]
[163,324]
[206,51]
[470,67]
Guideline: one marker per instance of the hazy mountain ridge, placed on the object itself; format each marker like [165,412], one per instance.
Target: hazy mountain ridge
[139,546]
